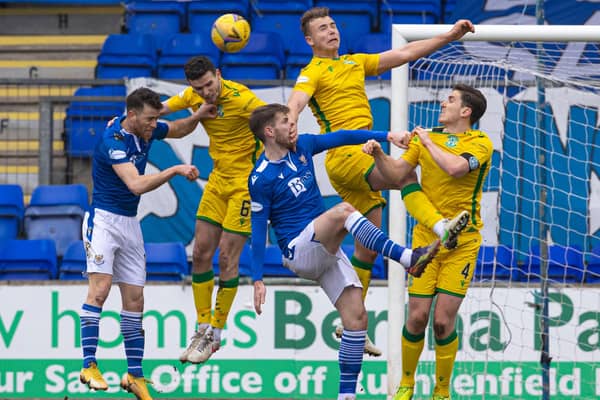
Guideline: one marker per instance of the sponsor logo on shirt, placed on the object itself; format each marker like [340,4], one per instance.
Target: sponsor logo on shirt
[115,154]
[255,207]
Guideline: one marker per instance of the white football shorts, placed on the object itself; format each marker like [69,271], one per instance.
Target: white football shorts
[114,245]
[311,260]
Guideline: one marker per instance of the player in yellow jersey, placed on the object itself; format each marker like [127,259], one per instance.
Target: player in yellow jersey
[454,160]
[333,85]
[223,216]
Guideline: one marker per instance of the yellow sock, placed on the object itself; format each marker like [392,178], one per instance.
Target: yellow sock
[419,205]
[412,347]
[225,295]
[445,353]
[363,270]
[202,287]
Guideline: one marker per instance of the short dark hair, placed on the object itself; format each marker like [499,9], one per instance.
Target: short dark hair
[308,16]
[263,116]
[136,99]
[472,98]
[197,66]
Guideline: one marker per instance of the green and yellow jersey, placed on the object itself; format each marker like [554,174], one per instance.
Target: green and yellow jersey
[232,146]
[451,195]
[337,90]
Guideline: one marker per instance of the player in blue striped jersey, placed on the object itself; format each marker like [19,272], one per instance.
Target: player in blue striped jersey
[284,190]
[112,235]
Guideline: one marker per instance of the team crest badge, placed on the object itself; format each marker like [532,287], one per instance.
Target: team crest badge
[303,159]
[452,141]
[220,112]
[98,259]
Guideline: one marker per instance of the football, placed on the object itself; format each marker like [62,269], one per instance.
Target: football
[230,33]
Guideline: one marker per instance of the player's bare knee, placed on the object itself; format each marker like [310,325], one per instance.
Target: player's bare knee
[442,328]
[418,321]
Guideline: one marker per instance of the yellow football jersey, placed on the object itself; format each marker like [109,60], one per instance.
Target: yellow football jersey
[451,195]
[337,90]
[232,147]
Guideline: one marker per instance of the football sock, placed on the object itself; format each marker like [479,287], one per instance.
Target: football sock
[372,237]
[419,206]
[364,271]
[412,347]
[202,288]
[225,295]
[133,338]
[445,353]
[89,318]
[350,358]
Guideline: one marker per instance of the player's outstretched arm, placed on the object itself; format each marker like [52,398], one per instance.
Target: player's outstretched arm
[420,48]
[454,165]
[296,103]
[392,170]
[140,184]
[184,126]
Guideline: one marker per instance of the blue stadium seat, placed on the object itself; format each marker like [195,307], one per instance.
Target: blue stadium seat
[262,58]
[565,264]
[279,17]
[592,274]
[85,121]
[273,265]
[166,261]
[73,264]
[298,56]
[202,14]
[11,211]
[244,264]
[379,270]
[56,212]
[128,55]
[354,18]
[179,48]
[155,17]
[27,260]
[499,263]
[375,43]
[409,12]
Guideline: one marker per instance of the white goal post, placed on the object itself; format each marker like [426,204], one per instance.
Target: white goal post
[401,34]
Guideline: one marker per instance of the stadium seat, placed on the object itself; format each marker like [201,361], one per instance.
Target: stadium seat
[262,58]
[280,17]
[244,264]
[166,261]
[56,212]
[409,12]
[298,55]
[73,264]
[592,274]
[273,265]
[374,43]
[159,18]
[354,18]
[127,55]
[85,121]
[202,14]
[11,211]
[565,264]
[179,48]
[497,263]
[379,270]
[27,260]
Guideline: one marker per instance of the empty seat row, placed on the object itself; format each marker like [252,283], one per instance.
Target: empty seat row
[354,18]
[267,55]
[55,212]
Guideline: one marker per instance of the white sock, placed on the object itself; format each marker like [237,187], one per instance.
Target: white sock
[405,257]
[439,227]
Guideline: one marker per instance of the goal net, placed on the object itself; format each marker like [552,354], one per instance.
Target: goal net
[530,324]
